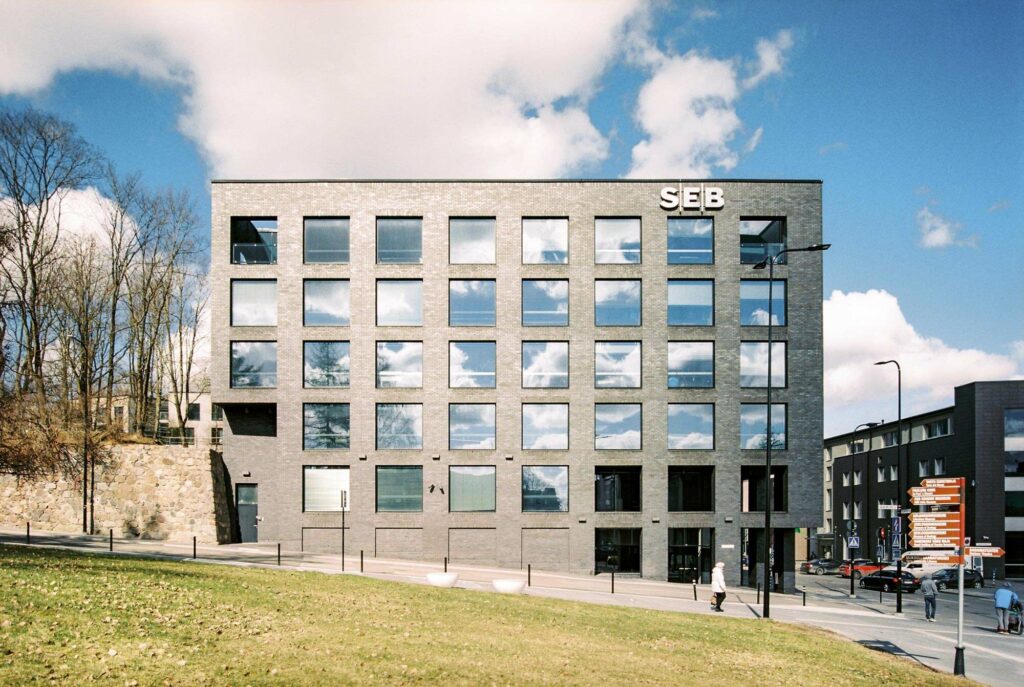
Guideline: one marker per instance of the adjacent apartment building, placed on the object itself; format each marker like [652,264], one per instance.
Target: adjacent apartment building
[568,374]
[980,438]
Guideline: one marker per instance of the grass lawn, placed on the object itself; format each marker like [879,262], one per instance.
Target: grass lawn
[68,618]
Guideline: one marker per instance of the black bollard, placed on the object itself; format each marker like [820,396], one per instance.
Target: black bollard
[759,592]
[613,581]
[529,575]
[446,563]
[28,532]
[805,596]
[193,547]
[695,590]
[279,553]
[360,560]
[111,540]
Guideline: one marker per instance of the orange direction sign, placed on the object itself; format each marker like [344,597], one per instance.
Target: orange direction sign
[986,551]
[941,482]
[941,560]
[935,517]
[934,496]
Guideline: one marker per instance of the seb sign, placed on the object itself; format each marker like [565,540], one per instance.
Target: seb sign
[692,198]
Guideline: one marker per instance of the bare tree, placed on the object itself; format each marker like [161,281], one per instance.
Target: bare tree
[185,371]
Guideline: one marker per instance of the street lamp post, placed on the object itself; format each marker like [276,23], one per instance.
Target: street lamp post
[770,261]
[853,493]
[899,478]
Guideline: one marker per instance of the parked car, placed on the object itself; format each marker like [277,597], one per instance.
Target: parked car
[946,578]
[886,580]
[820,566]
[861,567]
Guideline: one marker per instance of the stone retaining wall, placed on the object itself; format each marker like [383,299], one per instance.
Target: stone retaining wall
[153,492]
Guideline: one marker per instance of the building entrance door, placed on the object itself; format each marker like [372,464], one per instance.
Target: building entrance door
[246,501]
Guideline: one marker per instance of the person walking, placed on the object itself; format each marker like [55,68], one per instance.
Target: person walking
[718,585]
[1005,598]
[930,591]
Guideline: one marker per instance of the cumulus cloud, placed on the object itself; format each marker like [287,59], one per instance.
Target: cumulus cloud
[861,328]
[771,58]
[939,232]
[400,364]
[617,364]
[546,426]
[546,364]
[305,89]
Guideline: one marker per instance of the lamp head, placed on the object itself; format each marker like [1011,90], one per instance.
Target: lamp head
[761,265]
[817,247]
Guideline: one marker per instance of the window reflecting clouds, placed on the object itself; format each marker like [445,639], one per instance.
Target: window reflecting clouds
[471,241]
[325,364]
[754,420]
[691,302]
[399,488]
[471,426]
[545,488]
[253,303]
[400,240]
[399,426]
[691,426]
[399,302]
[326,303]
[754,302]
[471,364]
[617,426]
[691,240]
[546,426]
[325,426]
[399,364]
[617,240]
[545,241]
[253,364]
[691,364]
[325,240]
[617,364]
[545,302]
[617,302]
[471,302]
[754,364]
[546,364]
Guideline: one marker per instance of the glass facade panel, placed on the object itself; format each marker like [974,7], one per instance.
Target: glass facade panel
[691,426]
[471,488]
[545,241]
[545,488]
[754,364]
[325,364]
[471,241]
[399,426]
[253,364]
[691,554]
[617,303]
[546,426]
[760,238]
[617,426]
[399,302]
[472,364]
[325,426]
[617,364]
[326,303]
[754,302]
[545,302]
[616,240]
[546,364]
[1013,441]
[399,364]
[691,488]
[399,240]
[399,489]
[691,240]
[471,426]
[253,303]
[322,486]
[691,364]
[325,240]
[617,489]
[617,550]
[691,302]
[254,240]
[471,302]
[754,421]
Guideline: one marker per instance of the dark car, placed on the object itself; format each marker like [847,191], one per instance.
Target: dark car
[820,566]
[947,578]
[886,581]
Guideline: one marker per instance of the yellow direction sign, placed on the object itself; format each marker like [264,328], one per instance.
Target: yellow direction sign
[986,551]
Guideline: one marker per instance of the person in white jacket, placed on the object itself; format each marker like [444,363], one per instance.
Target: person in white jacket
[718,585]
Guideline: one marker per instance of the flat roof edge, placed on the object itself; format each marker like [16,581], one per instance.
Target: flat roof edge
[511,181]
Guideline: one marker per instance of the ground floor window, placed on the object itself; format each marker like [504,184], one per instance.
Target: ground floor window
[322,486]
[471,488]
[617,550]
[691,552]
[399,488]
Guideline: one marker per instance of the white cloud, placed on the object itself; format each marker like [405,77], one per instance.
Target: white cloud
[458,374]
[939,232]
[703,14]
[614,413]
[546,426]
[400,364]
[692,440]
[617,365]
[606,290]
[547,367]
[303,89]
[464,287]
[862,328]
[999,206]
[771,58]
[628,440]
[754,140]
[541,236]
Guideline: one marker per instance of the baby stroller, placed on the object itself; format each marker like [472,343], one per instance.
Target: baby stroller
[1015,623]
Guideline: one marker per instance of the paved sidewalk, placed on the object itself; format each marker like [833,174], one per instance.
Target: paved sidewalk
[990,658]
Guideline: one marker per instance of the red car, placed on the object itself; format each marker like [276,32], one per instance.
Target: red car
[861,567]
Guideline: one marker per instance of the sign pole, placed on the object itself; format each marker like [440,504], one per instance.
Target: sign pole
[958,661]
[344,506]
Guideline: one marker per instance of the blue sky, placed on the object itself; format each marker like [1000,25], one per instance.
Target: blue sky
[912,113]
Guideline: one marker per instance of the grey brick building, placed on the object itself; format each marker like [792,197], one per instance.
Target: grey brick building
[568,374]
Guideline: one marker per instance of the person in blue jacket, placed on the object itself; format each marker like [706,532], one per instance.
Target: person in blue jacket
[1005,598]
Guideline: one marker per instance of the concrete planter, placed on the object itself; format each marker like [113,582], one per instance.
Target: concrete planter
[509,586]
[442,579]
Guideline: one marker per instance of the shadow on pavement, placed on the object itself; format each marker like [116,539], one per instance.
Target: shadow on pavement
[894,649]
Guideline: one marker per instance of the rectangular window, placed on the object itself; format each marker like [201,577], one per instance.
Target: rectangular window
[1014,504]
[858,478]
[691,488]
[617,303]
[253,364]
[616,240]
[545,302]
[399,426]
[326,303]
[617,489]
[937,428]
[754,364]
[880,477]
[325,240]
[163,408]
[399,240]
[1013,441]
[253,302]
[691,364]
[754,302]
[922,467]
[471,488]
[691,426]
[471,303]
[546,426]
[254,240]
[846,479]
[545,489]
[853,446]
[545,241]
[754,422]
[216,435]
[858,510]
[828,500]
[322,486]
[399,302]
[939,467]
[399,364]
[892,473]
[752,488]
[325,364]
[399,489]
[691,302]
[471,240]
[216,412]
[617,426]
[617,364]
[691,554]
[691,240]
[325,426]
[545,364]
[760,238]
[471,426]
[193,411]
[617,550]
[846,510]
[472,364]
